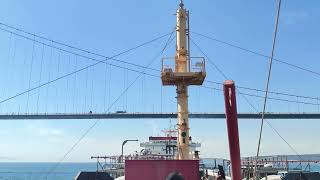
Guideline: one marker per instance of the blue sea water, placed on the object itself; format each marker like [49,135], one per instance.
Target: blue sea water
[41,171]
[65,171]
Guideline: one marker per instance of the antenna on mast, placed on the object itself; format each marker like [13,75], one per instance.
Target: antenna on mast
[181,4]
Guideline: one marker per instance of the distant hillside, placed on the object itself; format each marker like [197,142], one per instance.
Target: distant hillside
[5,158]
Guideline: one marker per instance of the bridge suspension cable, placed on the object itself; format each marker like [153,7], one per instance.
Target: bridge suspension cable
[81,55]
[63,44]
[246,94]
[84,68]
[137,65]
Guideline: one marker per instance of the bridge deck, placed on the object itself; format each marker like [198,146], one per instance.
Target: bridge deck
[57,116]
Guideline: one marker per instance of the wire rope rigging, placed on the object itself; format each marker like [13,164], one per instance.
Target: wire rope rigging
[267,85]
[107,110]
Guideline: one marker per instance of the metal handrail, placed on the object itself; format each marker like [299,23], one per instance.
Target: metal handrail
[172,67]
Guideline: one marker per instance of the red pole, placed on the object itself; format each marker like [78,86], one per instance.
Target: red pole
[232,125]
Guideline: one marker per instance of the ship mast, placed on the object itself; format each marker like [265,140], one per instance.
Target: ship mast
[182,88]
[182,77]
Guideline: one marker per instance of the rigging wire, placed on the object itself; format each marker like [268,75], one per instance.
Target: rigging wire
[270,92]
[107,110]
[221,72]
[266,95]
[84,68]
[271,98]
[257,53]
[267,83]
[270,125]
[246,99]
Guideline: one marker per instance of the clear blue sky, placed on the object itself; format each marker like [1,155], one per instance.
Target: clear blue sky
[109,27]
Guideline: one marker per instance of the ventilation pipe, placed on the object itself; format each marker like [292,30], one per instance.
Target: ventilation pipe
[232,126]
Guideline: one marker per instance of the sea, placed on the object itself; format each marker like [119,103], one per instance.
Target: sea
[65,171]
[43,171]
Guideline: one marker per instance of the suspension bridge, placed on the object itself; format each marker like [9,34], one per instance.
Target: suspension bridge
[71,66]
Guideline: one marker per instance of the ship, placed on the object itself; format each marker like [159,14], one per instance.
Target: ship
[155,148]
[175,156]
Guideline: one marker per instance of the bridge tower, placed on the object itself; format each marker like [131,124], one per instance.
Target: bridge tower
[182,71]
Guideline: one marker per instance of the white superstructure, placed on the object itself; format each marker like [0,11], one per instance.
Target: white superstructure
[165,146]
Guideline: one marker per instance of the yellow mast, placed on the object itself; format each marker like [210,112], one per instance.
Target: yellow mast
[182,88]
[182,77]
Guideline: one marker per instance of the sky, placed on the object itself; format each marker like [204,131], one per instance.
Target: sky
[110,27]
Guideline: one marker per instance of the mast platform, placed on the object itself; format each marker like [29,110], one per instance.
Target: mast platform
[194,76]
